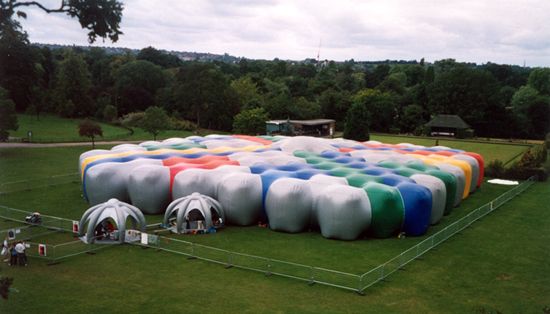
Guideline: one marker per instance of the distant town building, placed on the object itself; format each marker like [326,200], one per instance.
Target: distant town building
[315,127]
[448,125]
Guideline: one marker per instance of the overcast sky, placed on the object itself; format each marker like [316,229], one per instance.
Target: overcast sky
[511,32]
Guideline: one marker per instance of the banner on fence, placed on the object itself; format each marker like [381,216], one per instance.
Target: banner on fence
[153,239]
[75,226]
[132,236]
[42,249]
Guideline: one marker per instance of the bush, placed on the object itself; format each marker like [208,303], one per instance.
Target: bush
[419,130]
[394,130]
[182,125]
[132,119]
[66,108]
[529,165]
[495,169]
[110,113]
[516,172]
[534,157]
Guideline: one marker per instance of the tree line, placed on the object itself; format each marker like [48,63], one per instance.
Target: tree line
[496,100]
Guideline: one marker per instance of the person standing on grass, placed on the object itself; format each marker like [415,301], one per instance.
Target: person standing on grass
[21,256]
[5,250]
[13,256]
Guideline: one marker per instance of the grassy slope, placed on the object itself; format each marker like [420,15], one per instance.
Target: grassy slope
[55,129]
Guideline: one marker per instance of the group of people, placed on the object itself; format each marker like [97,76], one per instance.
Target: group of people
[16,253]
[105,230]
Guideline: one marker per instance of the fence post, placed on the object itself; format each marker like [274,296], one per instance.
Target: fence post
[229,260]
[311,276]
[53,259]
[359,290]
[268,270]
[192,251]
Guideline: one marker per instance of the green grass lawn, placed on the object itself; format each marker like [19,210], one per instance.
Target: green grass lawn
[51,128]
[489,151]
[66,201]
[498,264]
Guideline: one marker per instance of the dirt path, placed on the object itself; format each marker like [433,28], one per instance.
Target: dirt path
[37,145]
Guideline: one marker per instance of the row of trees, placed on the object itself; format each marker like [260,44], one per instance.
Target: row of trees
[496,100]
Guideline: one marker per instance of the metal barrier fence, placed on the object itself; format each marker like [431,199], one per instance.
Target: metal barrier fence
[51,252]
[379,273]
[329,277]
[265,265]
[268,266]
[26,185]
[47,222]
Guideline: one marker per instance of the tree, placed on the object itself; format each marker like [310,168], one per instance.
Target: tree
[5,283]
[394,82]
[73,84]
[374,78]
[8,119]
[100,17]
[247,91]
[278,101]
[381,107]
[415,73]
[539,79]
[99,65]
[335,105]
[251,121]
[532,112]
[357,123]
[411,119]
[91,129]
[202,93]
[110,113]
[154,121]
[344,79]
[17,64]
[467,92]
[158,57]
[136,83]
[304,109]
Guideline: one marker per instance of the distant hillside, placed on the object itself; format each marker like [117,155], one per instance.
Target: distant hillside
[209,57]
[183,55]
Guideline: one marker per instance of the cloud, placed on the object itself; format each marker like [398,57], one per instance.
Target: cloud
[474,31]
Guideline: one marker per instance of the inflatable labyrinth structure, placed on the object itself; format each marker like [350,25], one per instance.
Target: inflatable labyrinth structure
[343,188]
